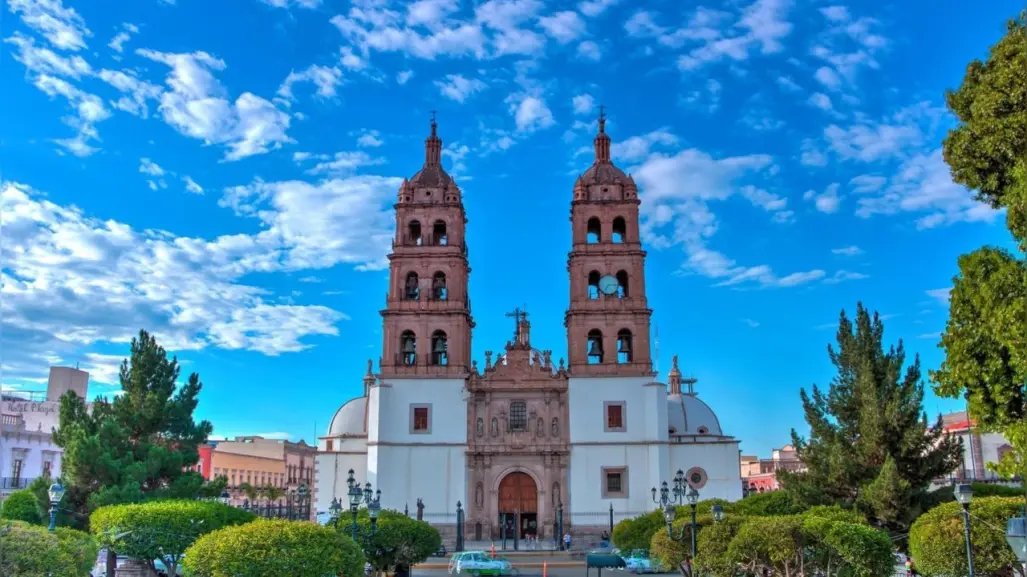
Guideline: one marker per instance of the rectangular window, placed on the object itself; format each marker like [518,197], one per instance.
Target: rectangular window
[615,482]
[328,445]
[518,416]
[16,469]
[420,419]
[614,417]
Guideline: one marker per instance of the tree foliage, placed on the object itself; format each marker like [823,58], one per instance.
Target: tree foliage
[139,444]
[274,548]
[32,551]
[397,541]
[21,506]
[938,546]
[161,529]
[670,552]
[870,444]
[770,503]
[637,532]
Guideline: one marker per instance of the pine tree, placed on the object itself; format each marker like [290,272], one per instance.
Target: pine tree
[869,443]
[137,445]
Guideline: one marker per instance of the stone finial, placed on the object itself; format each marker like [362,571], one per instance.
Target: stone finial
[674,377]
[488,360]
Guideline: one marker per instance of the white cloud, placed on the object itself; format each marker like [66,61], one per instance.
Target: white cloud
[788,84]
[589,50]
[89,110]
[827,201]
[62,27]
[339,164]
[851,250]
[458,88]
[751,323]
[637,148]
[761,26]
[941,295]
[325,78]
[196,106]
[530,113]
[136,93]
[41,60]
[594,8]
[565,26]
[845,275]
[369,139]
[768,201]
[404,76]
[821,101]
[118,42]
[835,13]
[192,186]
[828,77]
[583,104]
[309,4]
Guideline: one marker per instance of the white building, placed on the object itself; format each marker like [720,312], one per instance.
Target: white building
[515,442]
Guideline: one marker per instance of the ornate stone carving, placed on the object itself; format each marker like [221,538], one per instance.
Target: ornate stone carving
[556,493]
[480,427]
[556,427]
[495,427]
[479,495]
[540,427]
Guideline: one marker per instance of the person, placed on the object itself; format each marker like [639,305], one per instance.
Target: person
[605,538]
[567,541]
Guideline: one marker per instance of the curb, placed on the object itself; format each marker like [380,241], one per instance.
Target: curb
[530,565]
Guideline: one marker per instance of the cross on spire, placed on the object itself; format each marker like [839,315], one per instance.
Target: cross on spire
[602,140]
[433,146]
[520,317]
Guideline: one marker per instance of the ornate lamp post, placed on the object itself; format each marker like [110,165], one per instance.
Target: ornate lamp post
[355,496]
[335,509]
[964,493]
[56,493]
[373,509]
[559,522]
[718,513]
[693,499]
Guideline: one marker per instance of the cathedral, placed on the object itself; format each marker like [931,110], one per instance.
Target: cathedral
[516,438]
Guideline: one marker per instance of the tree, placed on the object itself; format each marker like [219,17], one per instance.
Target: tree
[139,444]
[250,491]
[869,443]
[397,541]
[161,529]
[274,548]
[637,532]
[273,493]
[938,547]
[31,551]
[985,339]
[769,503]
[21,506]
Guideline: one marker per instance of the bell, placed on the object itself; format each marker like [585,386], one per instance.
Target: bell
[595,349]
[440,346]
[623,345]
[409,346]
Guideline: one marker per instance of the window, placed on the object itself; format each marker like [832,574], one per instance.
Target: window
[439,352]
[614,413]
[414,233]
[593,284]
[595,347]
[518,416]
[624,354]
[620,229]
[594,231]
[420,419]
[438,235]
[615,482]
[438,287]
[328,445]
[412,287]
[408,348]
[702,430]
[622,284]
[17,468]
[696,477]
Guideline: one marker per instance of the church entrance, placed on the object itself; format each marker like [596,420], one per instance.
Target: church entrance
[518,506]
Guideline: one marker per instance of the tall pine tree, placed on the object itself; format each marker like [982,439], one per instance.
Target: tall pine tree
[138,445]
[870,444]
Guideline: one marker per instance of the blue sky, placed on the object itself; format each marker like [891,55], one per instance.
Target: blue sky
[222,174]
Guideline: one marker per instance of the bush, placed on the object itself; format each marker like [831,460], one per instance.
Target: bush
[867,551]
[767,504]
[712,547]
[937,543]
[772,543]
[161,529]
[21,506]
[398,540]
[637,532]
[31,551]
[274,548]
[668,552]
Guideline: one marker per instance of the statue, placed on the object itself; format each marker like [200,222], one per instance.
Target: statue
[556,493]
[488,360]
[420,509]
[556,427]
[495,427]
[540,427]
[479,495]
[547,358]
[479,427]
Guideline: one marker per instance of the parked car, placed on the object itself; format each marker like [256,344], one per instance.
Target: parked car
[479,563]
[638,561]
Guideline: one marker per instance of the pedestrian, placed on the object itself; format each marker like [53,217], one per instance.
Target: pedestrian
[567,541]
[605,538]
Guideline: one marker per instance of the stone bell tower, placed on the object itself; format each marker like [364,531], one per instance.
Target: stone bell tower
[427,319]
[608,319]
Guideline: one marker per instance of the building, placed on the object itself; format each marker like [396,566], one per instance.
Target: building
[27,422]
[760,475]
[523,433]
[979,449]
[261,463]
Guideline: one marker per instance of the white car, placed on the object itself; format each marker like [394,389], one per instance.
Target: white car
[478,563]
[638,561]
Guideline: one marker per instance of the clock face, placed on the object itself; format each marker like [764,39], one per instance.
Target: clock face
[608,285]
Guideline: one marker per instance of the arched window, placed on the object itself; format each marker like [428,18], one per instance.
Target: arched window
[412,287]
[438,233]
[408,348]
[439,291]
[595,347]
[624,350]
[439,351]
[414,233]
[595,231]
[620,230]
[622,284]
[518,416]
[593,284]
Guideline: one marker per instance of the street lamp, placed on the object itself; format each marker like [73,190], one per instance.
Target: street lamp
[693,499]
[355,496]
[56,493]
[964,493]
[373,509]
[335,508]
[718,513]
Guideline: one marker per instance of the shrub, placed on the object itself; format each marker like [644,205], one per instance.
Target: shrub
[274,548]
[671,553]
[637,532]
[937,543]
[712,547]
[772,543]
[867,551]
[31,551]
[398,540]
[161,529]
[21,506]
[766,504]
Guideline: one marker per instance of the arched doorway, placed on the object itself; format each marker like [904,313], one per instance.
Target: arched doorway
[518,505]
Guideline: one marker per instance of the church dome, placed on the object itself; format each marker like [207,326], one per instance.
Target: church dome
[431,176]
[604,173]
[687,414]
[350,419]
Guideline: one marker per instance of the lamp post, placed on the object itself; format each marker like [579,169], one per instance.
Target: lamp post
[303,513]
[334,509]
[718,513]
[693,500]
[56,493]
[668,496]
[559,522]
[964,493]
[355,496]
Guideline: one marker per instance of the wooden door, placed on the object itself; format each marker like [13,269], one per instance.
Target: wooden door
[517,492]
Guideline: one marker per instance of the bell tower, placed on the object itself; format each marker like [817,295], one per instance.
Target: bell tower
[426,323]
[608,319]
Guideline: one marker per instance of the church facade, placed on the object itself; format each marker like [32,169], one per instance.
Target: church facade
[513,440]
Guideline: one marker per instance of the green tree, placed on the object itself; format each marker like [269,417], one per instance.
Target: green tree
[938,547]
[31,551]
[137,445]
[985,339]
[274,548]
[397,541]
[161,529]
[637,532]
[21,506]
[273,494]
[250,491]
[769,503]
[870,444]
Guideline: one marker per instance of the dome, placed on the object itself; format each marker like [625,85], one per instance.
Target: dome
[350,419]
[431,176]
[604,173]
[689,415]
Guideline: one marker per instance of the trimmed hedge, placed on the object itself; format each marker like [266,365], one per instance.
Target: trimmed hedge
[32,551]
[21,506]
[937,543]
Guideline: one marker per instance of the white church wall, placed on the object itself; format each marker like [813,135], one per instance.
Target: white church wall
[719,460]
[588,397]
[390,417]
[588,506]
[330,473]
